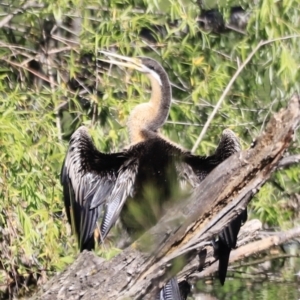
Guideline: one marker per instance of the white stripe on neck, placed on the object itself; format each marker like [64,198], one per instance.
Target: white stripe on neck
[156,76]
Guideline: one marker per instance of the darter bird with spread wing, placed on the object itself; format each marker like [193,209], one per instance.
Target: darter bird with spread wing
[107,186]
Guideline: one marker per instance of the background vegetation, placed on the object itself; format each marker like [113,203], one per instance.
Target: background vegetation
[51,82]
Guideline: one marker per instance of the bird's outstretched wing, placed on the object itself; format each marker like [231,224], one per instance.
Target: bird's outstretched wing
[94,184]
[227,242]
[229,144]
[201,167]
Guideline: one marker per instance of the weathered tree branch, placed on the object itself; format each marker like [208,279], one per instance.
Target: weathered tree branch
[141,269]
[288,161]
[207,264]
[256,247]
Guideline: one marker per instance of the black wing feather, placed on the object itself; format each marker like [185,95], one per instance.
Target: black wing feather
[229,144]
[202,166]
[170,291]
[89,180]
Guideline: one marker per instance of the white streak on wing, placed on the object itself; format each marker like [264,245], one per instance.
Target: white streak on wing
[122,189]
[170,291]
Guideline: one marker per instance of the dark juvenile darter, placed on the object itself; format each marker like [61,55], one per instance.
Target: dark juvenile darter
[106,185]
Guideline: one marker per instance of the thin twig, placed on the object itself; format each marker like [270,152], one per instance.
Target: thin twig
[94,102]
[38,74]
[19,10]
[226,91]
[66,41]
[200,125]
[234,28]
[10,46]
[228,87]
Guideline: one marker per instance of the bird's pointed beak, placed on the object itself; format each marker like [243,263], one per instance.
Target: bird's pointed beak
[133,63]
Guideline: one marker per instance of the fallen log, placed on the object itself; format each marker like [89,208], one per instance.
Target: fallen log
[142,269]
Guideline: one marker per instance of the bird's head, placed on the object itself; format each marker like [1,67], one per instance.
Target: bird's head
[145,65]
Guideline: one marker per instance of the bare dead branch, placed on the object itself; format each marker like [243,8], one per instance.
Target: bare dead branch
[264,259]
[253,248]
[248,233]
[29,4]
[289,161]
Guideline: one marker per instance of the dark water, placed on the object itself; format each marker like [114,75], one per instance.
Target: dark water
[277,280]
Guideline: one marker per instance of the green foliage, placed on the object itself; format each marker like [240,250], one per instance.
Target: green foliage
[52,81]
[259,288]
[31,203]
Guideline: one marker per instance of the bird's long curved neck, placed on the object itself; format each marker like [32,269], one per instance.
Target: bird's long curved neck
[147,118]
